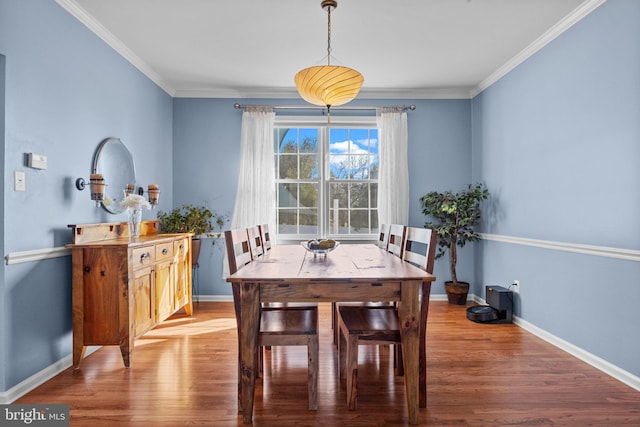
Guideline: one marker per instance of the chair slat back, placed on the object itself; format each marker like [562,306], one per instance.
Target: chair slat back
[420,247]
[383,237]
[396,239]
[238,249]
[266,238]
[255,242]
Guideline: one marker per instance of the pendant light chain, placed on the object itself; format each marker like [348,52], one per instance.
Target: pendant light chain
[329,35]
[329,57]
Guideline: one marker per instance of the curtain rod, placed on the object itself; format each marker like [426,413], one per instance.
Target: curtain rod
[316,107]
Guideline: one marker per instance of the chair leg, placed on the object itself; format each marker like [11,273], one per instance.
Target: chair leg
[334,323]
[352,371]
[313,354]
[399,361]
[342,353]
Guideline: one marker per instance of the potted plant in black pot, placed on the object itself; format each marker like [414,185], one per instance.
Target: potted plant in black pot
[454,216]
[199,220]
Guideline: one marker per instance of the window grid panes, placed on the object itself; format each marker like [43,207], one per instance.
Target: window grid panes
[326,181]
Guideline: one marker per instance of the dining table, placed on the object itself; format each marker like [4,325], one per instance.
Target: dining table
[349,273]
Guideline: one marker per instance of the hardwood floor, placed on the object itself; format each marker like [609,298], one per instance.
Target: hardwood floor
[184,374]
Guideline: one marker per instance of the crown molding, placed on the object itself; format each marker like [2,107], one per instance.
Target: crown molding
[417,93]
[563,25]
[365,93]
[85,18]
[253,92]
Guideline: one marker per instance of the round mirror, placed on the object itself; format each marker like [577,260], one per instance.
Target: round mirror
[113,160]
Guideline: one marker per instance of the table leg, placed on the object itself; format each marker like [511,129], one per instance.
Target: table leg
[424,314]
[249,328]
[409,316]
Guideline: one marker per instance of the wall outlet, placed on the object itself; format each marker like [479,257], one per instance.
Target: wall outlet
[516,286]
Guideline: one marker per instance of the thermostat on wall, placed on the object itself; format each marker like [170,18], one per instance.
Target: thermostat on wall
[37,161]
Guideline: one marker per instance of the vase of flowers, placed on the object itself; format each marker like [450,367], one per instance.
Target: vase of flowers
[134,203]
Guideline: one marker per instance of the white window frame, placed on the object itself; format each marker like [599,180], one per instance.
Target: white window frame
[321,123]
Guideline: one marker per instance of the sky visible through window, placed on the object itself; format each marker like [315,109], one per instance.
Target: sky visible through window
[353,153]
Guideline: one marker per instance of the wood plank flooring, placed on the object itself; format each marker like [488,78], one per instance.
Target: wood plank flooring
[184,374]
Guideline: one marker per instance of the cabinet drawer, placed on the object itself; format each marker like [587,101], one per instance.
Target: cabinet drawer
[164,251]
[142,257]
[180,248]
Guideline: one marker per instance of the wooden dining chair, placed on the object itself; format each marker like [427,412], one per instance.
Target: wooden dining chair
[278,326]
[255,241]
[366,325]
[383,243]
[383,236]
[261,247]
[396,239]
[266,238]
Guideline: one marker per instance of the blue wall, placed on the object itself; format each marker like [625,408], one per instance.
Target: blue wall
[558,143]
[207,157]
[65,91]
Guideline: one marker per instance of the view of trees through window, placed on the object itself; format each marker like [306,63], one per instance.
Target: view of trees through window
[326,181]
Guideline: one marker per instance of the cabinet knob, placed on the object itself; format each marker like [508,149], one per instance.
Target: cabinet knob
[165,251]
[144,256]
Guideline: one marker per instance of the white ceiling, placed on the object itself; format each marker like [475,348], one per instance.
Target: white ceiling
[253,48]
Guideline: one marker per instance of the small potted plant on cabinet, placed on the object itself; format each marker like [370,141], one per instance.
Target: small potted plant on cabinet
[454,215]
[199,220]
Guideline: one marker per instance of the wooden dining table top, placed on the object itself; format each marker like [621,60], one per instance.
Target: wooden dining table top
[347,263]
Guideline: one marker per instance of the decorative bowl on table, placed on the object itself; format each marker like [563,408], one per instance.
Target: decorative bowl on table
[320,246]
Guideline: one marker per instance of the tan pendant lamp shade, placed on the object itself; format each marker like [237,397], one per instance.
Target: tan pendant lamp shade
[328,85]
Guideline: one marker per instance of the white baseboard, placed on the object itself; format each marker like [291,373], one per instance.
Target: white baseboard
[212,298]
[39,378]
[608,368]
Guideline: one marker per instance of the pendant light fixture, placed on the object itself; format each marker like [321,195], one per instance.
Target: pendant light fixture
[328,85]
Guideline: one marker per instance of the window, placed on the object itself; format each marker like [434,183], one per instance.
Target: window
[326,177]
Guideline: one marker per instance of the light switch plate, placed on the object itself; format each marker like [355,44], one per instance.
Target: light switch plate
[19,181]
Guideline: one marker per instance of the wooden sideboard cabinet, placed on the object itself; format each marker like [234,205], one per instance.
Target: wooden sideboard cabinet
[123,287]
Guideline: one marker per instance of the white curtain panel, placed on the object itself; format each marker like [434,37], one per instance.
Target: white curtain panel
[256,195]
[393,176]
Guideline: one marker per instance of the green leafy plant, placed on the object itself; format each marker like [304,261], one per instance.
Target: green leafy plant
[454,216]
[199,220]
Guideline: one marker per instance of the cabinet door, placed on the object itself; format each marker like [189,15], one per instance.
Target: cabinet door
[144,308]
[104,292]
[183,273]
[165,293]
